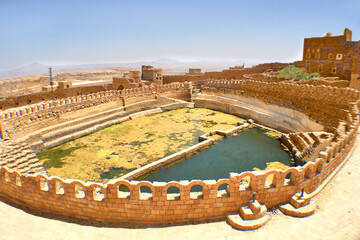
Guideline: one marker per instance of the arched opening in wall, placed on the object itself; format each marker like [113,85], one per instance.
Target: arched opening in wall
[17,181]
[59,188]
[270,181]
[44,185]
[245,184]
[319,168]
[287,180]
[329,156]
[308,174]
[6,177]
[196,192]
[173,193]
[145,193]
[42,99]
[123,191]
[17,104]
[79,191]
[55,97]
[29,101]
[222,191]
[98,194]
[121,87]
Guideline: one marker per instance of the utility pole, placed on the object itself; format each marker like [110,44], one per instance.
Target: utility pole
[51,79]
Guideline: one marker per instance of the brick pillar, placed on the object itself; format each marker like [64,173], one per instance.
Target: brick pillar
[2,132]
[123,101]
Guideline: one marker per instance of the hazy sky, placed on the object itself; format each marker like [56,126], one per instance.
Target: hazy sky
[89,31]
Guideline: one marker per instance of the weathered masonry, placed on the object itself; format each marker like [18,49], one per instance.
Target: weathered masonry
[24,182]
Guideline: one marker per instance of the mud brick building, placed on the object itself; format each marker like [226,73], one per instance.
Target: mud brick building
[152,74]
[333,56]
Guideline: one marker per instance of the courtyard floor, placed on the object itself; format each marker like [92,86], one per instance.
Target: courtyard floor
[337,217]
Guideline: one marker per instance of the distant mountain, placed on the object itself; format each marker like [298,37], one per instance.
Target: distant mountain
[30,69]
[37,68]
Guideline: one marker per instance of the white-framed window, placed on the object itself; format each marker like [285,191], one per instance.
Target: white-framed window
[339,56]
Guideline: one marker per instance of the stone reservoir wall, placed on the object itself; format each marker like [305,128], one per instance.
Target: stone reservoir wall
[273,116]
[36,98]
[225,74]
[324,104]
[107,203]
[17,123]
[111,203]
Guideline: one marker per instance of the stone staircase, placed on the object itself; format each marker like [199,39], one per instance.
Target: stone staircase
[250,217]
[299,206]
[19,157]
[305,145]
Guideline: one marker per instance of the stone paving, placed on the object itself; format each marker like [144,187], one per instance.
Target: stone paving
[337,217]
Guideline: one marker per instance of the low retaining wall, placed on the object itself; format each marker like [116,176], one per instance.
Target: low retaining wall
[166,160]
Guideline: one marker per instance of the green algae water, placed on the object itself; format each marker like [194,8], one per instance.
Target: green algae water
[248,150]
[119,149]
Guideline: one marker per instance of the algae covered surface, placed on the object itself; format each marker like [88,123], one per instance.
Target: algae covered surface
[119,149]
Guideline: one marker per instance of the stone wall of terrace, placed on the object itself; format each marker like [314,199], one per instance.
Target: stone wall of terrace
[324,104]
[16,123]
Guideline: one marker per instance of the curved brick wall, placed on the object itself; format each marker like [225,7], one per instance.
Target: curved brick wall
[106,203]
[21,121]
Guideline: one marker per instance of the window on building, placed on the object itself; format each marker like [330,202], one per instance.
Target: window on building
[333,70]
[308,55]
[331,56]
[338,56]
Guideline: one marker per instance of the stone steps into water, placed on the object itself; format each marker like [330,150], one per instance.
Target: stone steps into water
[20,158]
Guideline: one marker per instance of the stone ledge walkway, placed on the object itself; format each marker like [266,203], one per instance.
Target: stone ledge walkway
[337,217]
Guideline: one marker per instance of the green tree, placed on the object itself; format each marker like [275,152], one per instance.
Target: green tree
[292,72]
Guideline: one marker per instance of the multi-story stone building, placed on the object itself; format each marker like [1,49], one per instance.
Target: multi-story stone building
[333,56]
[152,74]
